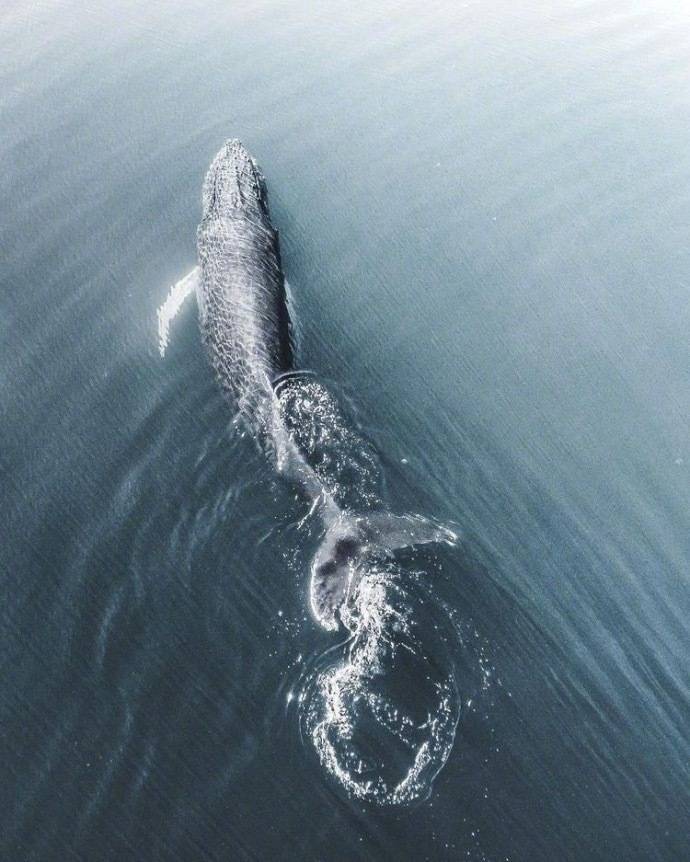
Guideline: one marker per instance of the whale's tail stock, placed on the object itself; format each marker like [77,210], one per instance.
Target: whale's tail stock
[349,540]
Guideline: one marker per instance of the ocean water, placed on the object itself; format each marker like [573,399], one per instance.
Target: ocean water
[484,211]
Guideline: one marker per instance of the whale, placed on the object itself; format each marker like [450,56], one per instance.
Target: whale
[245,327]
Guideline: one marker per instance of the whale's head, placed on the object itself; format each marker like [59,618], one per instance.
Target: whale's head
[234,184]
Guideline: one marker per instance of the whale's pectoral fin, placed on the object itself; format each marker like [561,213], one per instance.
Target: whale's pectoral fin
[173,302]
[388,532]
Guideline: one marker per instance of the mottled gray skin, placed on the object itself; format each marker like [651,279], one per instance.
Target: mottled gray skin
[243,312]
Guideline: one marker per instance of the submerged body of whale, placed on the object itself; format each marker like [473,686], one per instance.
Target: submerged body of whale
[245,327]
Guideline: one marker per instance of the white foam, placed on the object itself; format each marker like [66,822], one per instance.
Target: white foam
[344,696]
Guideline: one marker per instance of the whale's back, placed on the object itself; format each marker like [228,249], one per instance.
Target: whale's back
[243,308]
[244,319]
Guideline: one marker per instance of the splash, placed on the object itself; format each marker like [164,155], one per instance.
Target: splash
[346,465]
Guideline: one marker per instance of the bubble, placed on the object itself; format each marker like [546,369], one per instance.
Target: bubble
[345,463]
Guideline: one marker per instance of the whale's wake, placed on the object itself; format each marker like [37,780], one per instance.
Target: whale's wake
[382,715]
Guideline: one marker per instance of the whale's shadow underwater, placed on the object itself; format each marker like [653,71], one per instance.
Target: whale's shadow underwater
[355,582]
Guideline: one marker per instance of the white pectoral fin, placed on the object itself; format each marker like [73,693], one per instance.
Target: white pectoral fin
[173,303]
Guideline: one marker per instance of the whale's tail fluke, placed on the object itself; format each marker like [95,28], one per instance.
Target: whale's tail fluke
[350,540]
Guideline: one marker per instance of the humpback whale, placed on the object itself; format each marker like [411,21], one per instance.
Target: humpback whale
[245,328]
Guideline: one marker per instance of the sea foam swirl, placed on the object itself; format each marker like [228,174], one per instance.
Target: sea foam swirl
[382,718]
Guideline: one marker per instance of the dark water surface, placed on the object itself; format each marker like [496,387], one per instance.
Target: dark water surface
[484,214]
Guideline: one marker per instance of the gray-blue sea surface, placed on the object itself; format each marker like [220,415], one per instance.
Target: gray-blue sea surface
[484,211]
